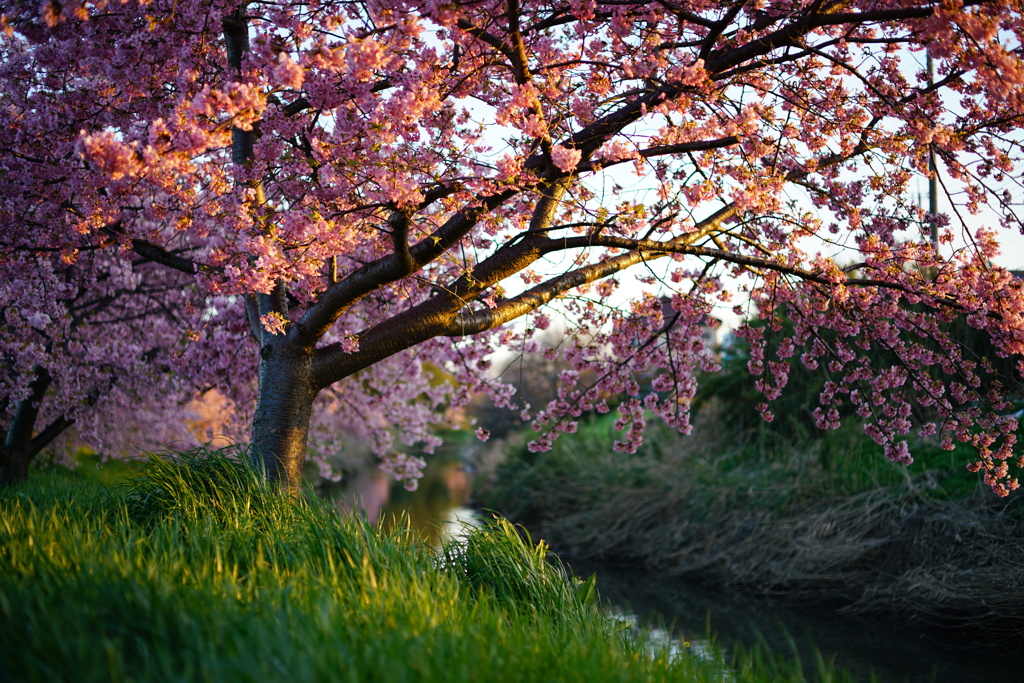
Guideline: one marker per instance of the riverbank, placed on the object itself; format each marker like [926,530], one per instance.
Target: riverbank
[825,521]
[201,571]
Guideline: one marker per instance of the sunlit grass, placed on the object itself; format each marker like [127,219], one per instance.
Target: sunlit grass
[197,570]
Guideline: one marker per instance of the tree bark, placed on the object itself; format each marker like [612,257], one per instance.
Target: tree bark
[14,464]
[21,443]
[284,403]
[280,426]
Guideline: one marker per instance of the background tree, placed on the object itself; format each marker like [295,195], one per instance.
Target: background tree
[351,189]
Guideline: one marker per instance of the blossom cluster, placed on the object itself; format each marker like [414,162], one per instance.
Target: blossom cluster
[383,188]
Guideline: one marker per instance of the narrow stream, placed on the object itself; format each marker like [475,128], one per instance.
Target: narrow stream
[686,612]
[438,509]
[678,613]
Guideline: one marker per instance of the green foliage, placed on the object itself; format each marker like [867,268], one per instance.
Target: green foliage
[792,453]
[769,511]
[733,389]
[88,466]
[501,558]
[762,662]
[200,571]
[717,470]
[222,487]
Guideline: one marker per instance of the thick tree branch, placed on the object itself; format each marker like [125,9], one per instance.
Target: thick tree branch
[399,222]
[719,64]
[430,318]
[114,234]
[474,322]
[443,313]
[298,106]
[48,434]
[663,150]
[236,40]
[517,53]
[319,317]
[437,315]
[544,212]
[494,41]
[718,28]
[340,296]
[152,252]
[276,301]
[252,315]
[687,16]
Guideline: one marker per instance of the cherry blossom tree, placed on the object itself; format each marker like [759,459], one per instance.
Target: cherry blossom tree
[315,207]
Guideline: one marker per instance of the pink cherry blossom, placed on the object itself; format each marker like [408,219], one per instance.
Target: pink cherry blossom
[332,214]
[565,159]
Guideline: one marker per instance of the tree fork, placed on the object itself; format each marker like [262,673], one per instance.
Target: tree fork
[285,394]
[21,444]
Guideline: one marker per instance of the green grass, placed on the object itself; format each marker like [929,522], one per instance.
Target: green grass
[823,519]
[197,570]
[89,466]
[717,470]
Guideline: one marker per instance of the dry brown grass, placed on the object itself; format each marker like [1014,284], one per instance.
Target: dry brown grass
[955,564]
[888,551]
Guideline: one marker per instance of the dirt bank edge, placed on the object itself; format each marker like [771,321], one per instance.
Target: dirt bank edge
[956,564]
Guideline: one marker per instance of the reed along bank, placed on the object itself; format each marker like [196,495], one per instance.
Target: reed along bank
[819,518]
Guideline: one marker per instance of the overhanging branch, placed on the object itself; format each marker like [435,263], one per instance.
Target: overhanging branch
[152,252]
[474,322]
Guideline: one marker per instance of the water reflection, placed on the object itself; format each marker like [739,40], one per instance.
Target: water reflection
[680,613]
[437,509]
[679,616]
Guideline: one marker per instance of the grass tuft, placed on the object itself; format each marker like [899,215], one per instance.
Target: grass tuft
[198,570]
[200,484]
[501,558]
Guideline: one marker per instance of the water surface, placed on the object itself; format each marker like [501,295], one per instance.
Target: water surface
[680,615]
[684,612]
[437,509]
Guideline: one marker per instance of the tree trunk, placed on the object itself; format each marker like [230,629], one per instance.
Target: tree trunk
[21,443]
[14,465]
[280,425]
